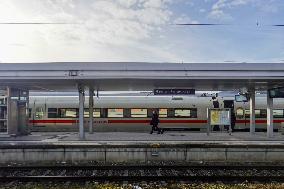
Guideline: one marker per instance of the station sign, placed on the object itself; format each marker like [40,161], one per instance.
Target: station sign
[174,91]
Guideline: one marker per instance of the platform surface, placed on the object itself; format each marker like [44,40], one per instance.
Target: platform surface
[130,138]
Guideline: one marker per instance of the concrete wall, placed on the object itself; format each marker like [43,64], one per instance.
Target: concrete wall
[142,154]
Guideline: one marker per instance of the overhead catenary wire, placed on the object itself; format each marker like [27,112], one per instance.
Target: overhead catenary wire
[222,24]
[36,23]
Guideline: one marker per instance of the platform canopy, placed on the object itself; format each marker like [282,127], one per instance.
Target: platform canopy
[64,76]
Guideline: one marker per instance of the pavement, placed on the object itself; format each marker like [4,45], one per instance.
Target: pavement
[135,138]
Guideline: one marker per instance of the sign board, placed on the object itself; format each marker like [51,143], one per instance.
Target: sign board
[174,91]
[276,93]
[220,117]
[241,98]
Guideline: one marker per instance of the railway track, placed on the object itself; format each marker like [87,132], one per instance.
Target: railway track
[226,174]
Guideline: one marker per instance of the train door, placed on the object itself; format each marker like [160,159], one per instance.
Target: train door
[229,104]
[38,113]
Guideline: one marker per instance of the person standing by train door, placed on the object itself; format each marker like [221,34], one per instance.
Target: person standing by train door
[215,102]
[154,122]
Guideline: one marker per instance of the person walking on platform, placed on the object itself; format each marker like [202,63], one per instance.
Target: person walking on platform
[154,122]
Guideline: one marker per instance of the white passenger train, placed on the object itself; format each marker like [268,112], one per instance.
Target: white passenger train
[133,113]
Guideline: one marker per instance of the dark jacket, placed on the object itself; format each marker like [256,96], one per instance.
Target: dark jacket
[215,104]
[155,119]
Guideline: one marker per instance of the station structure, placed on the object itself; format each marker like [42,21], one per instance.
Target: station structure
[17,79]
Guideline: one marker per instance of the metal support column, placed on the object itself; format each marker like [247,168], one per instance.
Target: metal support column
[27,111]
[81,111]
[10,123]
[252,111]
[91,109]
[269,116]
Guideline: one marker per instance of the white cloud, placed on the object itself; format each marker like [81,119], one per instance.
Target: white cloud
[120,30]
[219,14]
[185,19]
[127,3]
[268,6]
[238,2]
[99,25]
[153,4]
[218,10]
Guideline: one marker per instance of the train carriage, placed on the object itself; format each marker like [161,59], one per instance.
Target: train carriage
[133,113]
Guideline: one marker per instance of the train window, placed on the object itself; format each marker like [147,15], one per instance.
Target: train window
[67,112]
[163,112]
[278,113]
[262,113]
[247,113]
[52,109]
[86,113]
[96,112]
[171,112]
[126,112]
[240,113]
[52,113]
[115,112]
[138,112]
[182,112]
[103,112]
[39,113]
[259,113]
[150,111]
[192,113]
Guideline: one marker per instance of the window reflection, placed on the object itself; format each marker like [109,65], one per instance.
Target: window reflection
[115,112]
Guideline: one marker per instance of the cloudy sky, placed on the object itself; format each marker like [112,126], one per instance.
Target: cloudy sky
[142,30]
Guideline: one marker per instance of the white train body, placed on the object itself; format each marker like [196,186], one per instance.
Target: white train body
[132,113]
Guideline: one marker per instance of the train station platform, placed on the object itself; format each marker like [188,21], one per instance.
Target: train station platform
[123,147]
[132,137]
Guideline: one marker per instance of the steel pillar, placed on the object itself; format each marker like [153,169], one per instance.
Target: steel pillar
[27,111]
[81,91]
[252,111]
[269,116]
[91,109]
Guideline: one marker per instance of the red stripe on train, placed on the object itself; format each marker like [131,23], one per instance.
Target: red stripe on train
[259,121]
[128,121]
[53,121]
[161,121]
[121,121]
[147,121]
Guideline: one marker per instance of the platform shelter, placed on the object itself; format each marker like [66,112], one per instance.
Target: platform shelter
[17,79]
